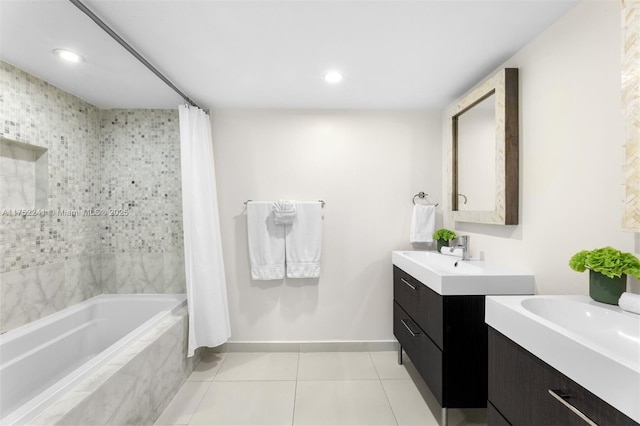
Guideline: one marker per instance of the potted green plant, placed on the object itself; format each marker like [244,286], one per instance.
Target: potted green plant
[608,270]
[442,237]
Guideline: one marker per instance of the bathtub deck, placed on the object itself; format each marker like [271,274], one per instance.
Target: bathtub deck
[133,387]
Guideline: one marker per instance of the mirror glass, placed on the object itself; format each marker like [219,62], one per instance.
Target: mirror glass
[477,156]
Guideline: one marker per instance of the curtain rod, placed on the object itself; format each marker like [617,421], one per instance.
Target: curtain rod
[131,50]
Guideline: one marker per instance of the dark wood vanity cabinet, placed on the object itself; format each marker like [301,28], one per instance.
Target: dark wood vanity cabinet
[519,385]
[446,339]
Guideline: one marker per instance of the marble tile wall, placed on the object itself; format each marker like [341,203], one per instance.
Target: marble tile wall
[32,293]
[143,273]
[112,220]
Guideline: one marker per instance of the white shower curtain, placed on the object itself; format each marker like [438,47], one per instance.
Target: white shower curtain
[204,268]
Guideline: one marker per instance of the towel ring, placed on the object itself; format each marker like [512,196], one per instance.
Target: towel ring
[422,196]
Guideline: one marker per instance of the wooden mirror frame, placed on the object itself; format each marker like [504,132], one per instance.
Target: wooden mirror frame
[505,86]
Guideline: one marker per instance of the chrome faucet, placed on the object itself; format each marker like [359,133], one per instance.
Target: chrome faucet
[462,242]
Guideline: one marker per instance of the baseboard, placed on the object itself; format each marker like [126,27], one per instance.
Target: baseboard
[340,346]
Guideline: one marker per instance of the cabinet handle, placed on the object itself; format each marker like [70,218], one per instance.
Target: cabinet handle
[561,396]
[413,287]
[408,328]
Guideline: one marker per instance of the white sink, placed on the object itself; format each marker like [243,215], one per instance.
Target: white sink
[449,275]
[595,344]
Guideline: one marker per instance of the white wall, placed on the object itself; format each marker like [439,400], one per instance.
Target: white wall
[571,135]
[366,166]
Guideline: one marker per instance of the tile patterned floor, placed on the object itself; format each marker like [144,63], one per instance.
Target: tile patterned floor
[308,388]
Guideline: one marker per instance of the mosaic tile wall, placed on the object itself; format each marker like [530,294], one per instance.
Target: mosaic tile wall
[142,246]
[140,153]
[101,163]
[35,112]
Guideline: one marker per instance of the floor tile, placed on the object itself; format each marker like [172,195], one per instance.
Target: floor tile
[208,367]
[387,366]
[183,404]
[246,403]
[408,405]
[342,402]
[332,388]
[336,366]
[258,366]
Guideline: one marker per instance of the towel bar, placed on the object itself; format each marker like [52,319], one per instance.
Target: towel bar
[320,201]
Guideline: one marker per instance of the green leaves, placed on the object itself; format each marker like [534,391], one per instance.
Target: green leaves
[578,261]
[607,261]
[444,234]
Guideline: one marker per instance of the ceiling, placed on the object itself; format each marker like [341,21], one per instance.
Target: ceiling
[394,54]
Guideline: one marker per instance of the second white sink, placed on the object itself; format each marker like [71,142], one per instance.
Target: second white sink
[448,275]
[604,326]
[594,344]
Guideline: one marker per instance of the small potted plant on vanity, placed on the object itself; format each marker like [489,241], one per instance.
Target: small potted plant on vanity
[442,237]
[608,270]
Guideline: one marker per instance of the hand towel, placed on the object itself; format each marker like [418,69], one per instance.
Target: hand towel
[266,242]
[423,223]
[630,302]
[284,212]
[304,241]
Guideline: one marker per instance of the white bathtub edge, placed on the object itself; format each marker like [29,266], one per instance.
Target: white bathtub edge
[88,378]
[86,388]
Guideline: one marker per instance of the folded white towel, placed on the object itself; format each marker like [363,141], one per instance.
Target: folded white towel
[284,212]
[266,242]
[304,241]
[423,223]
[447,250]
[630,302]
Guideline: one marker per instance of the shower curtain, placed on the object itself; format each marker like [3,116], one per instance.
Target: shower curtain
[204,268]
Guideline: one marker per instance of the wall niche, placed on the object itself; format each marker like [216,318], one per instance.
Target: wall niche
[24,177]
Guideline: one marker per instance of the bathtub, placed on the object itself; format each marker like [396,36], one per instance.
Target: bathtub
[42,361]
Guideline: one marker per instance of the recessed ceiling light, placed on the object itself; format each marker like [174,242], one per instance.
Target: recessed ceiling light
[333,77]
[68,55]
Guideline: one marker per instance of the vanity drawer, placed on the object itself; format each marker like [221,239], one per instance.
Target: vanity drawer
[519,384]
[424,354]
[421,303]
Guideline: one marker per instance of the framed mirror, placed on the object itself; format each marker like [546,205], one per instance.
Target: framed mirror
[485,152]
